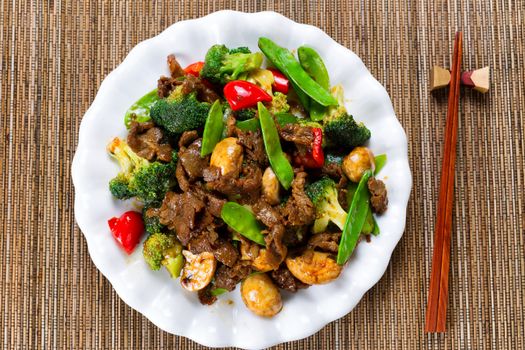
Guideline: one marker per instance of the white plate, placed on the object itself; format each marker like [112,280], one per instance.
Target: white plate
[154,294]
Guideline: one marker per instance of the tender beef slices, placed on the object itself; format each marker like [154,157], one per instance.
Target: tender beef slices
[299,209]
[227,277]
[284,279]
[253,145]
[209,241]
[185,214]
[190,83]
[298,134]
[149,142]
[378,195]
[248,184]
[328,242]
[191,160]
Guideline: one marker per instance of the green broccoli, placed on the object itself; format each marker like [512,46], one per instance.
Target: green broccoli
[152,222]
[279,104]
[244,114]
[323,194]
[180,114]
[161,249]
[222,65]
[340,128]
[148,181]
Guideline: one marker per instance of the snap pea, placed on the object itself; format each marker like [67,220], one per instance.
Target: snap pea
[305,100]
[380,161]
[218,291]
[375,230]
[280,164]
[368,225]
[313,64]
[354,220]
[212,129]
[288,65]
[253,124]
[141,108]
[243,221]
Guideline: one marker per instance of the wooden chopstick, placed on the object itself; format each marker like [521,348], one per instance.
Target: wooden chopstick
[438,292]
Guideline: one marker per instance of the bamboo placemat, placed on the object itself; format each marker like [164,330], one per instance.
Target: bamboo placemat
[56,53]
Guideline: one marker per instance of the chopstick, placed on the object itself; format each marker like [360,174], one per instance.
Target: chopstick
[438,293]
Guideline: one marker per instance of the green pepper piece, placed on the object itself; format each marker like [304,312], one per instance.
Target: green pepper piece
[380,161]
[141,108]
[288,65]
[280,164]
[243,221]
[354,220]
[313,64]
[212,129]
[253,124]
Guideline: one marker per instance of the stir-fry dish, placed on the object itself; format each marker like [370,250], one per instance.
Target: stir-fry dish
[248,173]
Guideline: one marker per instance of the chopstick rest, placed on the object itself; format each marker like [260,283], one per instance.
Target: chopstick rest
[478,79]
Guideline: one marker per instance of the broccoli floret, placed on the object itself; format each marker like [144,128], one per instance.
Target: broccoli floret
[152,223]
[119,187]
[180,114]
[340,128]
[344,132]
[148,181]
[244,114]
[278,104]
[323,194]
[222,65]
[161,249]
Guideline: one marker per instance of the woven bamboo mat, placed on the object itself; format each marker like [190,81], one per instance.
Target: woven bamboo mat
[56,53]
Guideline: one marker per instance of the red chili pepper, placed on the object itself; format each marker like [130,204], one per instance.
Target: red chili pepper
[194,68]
[280,82]
[313,158]
[242,94]
[127,229]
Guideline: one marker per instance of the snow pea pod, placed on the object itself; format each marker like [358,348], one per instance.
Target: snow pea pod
[288,65]
[280,164]
[243,221]
[253,124]
[354,220]
[140,109]
[212,129]
[313,64]
[380,161]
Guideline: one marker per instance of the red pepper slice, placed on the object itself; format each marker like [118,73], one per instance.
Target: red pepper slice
[127,230]
[280,81]
[242,94]
[194,68]
[314,156]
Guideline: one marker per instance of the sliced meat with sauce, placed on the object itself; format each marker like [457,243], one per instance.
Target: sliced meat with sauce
[299,209]
[192,161]
[227,277]
[149,142]
[174,66]
[284,279]
[378,195]
[205,93]
[298,134]
[185,214]
[253,144]
[328,242]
